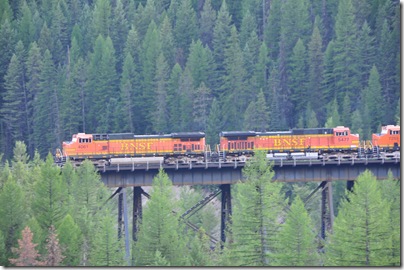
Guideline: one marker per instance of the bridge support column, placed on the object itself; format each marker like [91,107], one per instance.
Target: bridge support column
[120,214]
[137,211]
[349,185]
[327,208]
[225,212]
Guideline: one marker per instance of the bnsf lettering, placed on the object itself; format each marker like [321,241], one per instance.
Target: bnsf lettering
[289,142]
[136,146]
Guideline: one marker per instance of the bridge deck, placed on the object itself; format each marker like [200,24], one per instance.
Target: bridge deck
[121,175]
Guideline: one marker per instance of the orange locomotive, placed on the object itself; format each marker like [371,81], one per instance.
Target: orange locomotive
[388,139]
[181,146]
[296,142]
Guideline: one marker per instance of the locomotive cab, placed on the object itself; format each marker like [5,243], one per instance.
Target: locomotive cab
[388,139]
[79,144]
[343,139]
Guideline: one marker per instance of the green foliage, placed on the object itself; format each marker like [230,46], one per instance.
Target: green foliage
[296,245]
[160,229]
[70,238]
[106,248]
[50,199]
[258,205]
[361,233]
[13,214]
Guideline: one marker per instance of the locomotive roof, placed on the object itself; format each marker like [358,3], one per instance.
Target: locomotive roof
[123,136]
[298,131]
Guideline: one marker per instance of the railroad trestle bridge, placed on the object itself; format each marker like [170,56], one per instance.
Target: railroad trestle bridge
[223,174]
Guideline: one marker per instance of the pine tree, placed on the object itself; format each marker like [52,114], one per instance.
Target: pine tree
[272,33]
[233,88]
[3,259]
[53,255]
[119,32]
[185,30]
[70,239]
[201,105]
[101,84]
[296,244]
[333,118]
[167,41]
[315,71]
[298,78]
[221,39]
[361,232]
[391,191]
[372,97]
[46,126]
[106,248]
[12,211]
[50,199]
[25,26]
[257,114]
[102,19]
[215,123]
[199,63]
[207,22]
[160,113]
[346,67]
[150,51]
[26,252]
[172,98]
[160,229]
[257,208]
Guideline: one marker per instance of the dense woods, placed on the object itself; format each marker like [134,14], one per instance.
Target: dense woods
[160,66]
[152,67]
[52,216]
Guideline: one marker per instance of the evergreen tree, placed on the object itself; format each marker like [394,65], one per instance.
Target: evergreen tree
[50,199]
[333,118]
[346,111]
[372,97]
[185,30]
[186,92]
[346,69]
[215,123]
[315,71]
[272,33]
[366,44]
[221,39]
[26,28]
[257,208]
[311,118]
[119,32]
[160,113]
[296,244]
[328,84]
[199,63]
[391,192]
[201,105]
[53,255]
[46,127]
[101,19]
[70,239]
[14,103]
[101,84]
[172,98]
[26,252]
[256,116]
[13,213]
[3,259]
[206,24]
[33,65]
[361,232]
[106,248]
[160,229]
[298,78]
[167,41]
[150,51]
[233,88]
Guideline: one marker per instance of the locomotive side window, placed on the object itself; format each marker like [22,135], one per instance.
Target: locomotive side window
[84,140]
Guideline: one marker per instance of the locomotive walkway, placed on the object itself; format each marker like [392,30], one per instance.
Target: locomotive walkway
[219,173]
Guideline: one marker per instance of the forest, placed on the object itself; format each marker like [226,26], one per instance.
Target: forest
[153,67]
[52,216]
[161,66]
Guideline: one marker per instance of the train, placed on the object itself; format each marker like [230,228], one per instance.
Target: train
[234,146]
